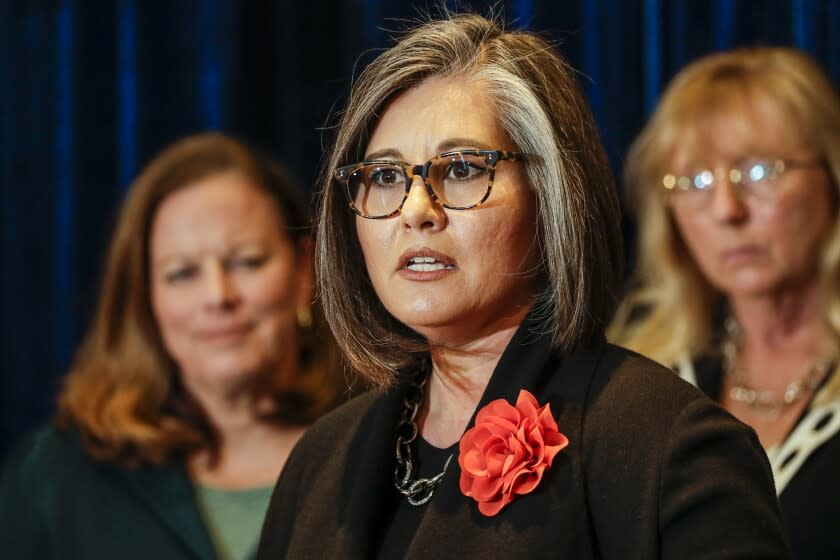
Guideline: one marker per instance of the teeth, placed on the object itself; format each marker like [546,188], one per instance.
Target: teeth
[426,267]
[426,264]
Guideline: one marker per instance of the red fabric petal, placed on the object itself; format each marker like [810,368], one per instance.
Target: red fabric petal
[507,451]
[491,508]
[497,461]
[526,480]
[473,462]
[484,489]
[499,409]
[546,420]
[526,396]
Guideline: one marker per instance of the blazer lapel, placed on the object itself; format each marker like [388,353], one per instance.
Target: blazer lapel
[168,493]
[369,482]
[563,381]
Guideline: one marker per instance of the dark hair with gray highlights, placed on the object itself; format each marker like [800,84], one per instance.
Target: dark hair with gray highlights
[540,105]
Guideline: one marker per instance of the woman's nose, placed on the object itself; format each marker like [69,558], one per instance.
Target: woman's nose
[420,209]
[220,288]
[727,202]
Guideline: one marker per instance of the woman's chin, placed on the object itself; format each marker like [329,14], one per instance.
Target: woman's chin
[754,286]
[433,331]
[452,322]
[448,330]
[425,316]
[228,373]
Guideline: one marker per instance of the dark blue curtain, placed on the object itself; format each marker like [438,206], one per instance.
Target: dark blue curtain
[90,90]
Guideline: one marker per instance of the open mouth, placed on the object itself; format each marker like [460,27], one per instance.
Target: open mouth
[426,264]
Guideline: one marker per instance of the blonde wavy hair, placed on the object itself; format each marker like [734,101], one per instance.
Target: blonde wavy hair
[540,106]
[669,313]
[123,395]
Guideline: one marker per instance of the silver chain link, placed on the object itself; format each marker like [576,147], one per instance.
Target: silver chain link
[418,491]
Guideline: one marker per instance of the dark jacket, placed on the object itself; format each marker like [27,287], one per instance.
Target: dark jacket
[810,502]
[55,503]
[654,469]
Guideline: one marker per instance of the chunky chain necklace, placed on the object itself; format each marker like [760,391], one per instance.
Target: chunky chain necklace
[417,491]
[766,402]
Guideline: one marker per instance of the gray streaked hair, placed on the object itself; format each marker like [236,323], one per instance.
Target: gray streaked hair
[540,106]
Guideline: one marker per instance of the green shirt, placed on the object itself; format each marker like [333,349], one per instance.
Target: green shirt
[233,518]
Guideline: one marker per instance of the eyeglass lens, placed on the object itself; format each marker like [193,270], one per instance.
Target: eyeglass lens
[457,180]
[750,175]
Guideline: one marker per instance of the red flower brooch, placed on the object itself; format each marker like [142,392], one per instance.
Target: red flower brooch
[507,451]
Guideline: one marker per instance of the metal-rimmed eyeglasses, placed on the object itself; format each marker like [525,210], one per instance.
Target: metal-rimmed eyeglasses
[458,180]
[754,177]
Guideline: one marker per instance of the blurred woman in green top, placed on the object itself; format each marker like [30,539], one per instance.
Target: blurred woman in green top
[203,365]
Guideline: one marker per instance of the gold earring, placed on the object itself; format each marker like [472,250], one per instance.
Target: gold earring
[304,317]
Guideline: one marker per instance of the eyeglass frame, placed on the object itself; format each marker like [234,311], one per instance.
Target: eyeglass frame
[778,168]
[410,171]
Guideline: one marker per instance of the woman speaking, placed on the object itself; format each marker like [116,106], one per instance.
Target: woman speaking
[468,255]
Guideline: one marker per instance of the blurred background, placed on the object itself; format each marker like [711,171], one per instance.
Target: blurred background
[90,90]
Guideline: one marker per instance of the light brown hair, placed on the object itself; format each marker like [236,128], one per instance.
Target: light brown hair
[123,393]
[678,319]
[540,106]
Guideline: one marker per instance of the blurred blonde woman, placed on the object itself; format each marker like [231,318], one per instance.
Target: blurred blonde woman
[201,369]
[735,183]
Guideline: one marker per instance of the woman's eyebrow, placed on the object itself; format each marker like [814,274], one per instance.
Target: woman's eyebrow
[450,143]
[443,146]
[385,153]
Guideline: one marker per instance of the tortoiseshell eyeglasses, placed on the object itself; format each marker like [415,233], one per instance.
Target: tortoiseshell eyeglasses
[458,180]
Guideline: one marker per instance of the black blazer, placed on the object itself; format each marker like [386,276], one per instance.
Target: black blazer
[56,503]
[654,469]
[810,502]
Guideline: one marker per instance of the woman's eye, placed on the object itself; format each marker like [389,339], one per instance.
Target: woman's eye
[462,171]
[180,274]
[249,262]
[386,177]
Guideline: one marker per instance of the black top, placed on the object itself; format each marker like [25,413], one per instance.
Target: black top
[402,518]
[653,469]
[810,502]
